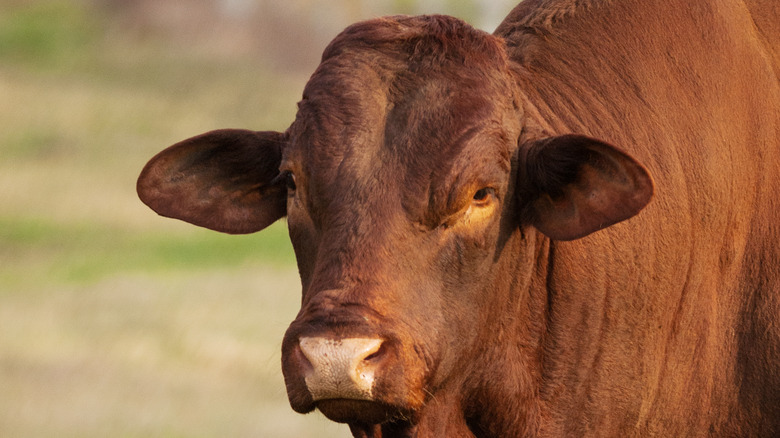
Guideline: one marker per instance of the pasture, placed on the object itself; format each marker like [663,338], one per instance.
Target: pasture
[114,322]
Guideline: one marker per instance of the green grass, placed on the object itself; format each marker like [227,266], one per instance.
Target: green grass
[46,34]
[113,320]
[84,107]
[33,249]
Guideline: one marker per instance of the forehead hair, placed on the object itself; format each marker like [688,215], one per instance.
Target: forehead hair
[420,41]
[383,62]
[399,98]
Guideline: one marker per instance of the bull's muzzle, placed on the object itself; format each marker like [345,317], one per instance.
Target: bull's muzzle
[340,368]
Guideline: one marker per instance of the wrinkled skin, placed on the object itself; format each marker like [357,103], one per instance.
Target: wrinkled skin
[444,190]
[389,237]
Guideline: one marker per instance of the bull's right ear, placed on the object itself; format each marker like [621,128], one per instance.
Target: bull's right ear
[224,180]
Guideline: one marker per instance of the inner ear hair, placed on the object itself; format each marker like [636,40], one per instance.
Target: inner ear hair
[572,185]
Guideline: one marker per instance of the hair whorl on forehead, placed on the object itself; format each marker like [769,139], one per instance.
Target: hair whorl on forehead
[435,39]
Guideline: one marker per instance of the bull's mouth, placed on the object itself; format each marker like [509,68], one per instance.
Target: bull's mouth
[360,411]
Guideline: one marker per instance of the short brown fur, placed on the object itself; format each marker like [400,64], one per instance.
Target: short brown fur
[481,203]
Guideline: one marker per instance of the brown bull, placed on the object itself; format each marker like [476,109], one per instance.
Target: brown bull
[468,215]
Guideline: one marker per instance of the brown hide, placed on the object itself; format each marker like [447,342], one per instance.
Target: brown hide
[472,221]
[673,316]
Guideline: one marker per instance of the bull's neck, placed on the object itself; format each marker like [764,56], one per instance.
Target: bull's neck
[578,69]
[515,321]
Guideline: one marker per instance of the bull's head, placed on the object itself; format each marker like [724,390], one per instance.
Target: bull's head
[419,194]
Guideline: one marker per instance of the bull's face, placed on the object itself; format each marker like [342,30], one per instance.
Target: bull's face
[397,170]
[410,189]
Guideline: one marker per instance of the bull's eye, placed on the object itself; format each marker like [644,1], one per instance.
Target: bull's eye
[482,196]
[289,179]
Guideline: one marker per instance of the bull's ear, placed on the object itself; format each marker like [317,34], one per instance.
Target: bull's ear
[571,186]
[224,180]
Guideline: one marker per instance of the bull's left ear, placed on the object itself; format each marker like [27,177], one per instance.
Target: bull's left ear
[571,185]
[224,180]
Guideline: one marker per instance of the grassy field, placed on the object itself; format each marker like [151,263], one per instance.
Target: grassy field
[113,321]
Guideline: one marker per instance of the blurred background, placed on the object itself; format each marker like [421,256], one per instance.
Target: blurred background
[114,321]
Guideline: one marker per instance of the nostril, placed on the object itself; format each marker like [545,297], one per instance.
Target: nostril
[375,355]
[303,359]
[340,351]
